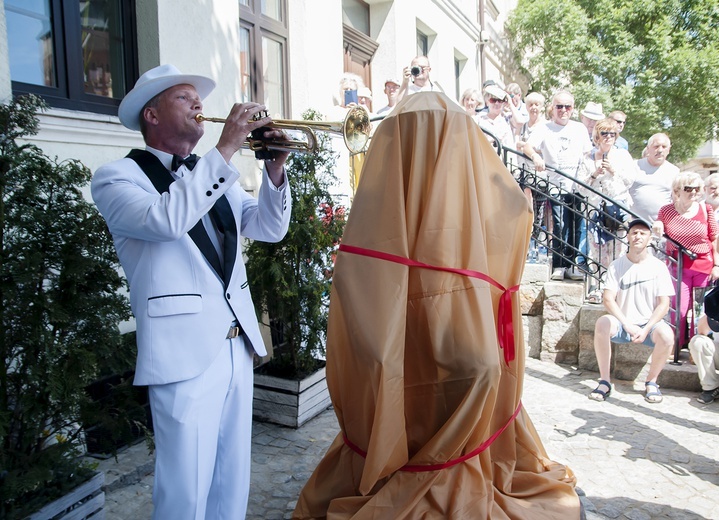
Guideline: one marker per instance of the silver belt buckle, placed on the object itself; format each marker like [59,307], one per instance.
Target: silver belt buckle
[233,332]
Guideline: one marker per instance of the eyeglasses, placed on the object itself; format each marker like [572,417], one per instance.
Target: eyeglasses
[689,189]
[563,107]
[495,100]
[608,134]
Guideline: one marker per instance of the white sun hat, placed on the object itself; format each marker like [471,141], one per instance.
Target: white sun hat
[593,111]
[150,84]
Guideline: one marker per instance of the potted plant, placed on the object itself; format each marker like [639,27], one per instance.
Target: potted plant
[59,282]
[290,283]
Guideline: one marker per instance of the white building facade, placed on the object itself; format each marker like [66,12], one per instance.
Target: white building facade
[82,56]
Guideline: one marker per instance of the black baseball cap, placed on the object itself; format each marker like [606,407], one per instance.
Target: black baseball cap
[711,308]
[638,222]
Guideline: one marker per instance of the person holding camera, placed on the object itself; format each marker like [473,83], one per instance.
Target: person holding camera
[415,78]
[610,171]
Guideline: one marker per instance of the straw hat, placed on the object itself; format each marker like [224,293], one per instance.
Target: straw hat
[150,84]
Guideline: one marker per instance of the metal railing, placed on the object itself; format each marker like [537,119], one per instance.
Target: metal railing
[548,191]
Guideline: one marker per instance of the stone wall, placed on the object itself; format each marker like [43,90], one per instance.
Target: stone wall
[550,312]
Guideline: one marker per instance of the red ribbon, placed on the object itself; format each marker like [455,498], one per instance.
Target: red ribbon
[417,468]
[505,326]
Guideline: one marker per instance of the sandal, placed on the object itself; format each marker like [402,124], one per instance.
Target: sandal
[600,395]
[595,296]
[653,394]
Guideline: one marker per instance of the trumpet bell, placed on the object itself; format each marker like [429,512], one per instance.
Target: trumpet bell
[356,129]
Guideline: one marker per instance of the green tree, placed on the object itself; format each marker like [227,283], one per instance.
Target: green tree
[290,280]
[59,285]
[656,60]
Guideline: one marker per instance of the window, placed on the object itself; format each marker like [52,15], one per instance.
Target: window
[77,54]
[263,54]
[460,61]
[355,13]
[422,44]
[457,71]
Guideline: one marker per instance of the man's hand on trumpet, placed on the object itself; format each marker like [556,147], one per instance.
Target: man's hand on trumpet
[239,124]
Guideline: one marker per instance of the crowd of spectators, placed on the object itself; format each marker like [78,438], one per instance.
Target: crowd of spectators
[587,146]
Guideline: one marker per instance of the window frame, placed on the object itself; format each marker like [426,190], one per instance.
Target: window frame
[259,26]
[70,92]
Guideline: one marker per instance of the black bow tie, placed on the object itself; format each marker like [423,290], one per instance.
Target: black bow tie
[188,161]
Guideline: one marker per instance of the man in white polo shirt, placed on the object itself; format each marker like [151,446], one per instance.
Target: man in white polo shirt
[561,144]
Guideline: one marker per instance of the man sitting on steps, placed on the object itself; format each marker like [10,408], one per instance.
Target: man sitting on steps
[703,347]
[637,296]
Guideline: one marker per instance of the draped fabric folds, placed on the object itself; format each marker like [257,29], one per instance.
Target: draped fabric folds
[414,366]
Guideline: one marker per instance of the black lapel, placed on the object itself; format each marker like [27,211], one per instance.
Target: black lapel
[161,180]
[225,221]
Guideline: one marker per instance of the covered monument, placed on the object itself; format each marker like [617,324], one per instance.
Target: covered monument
[425,355]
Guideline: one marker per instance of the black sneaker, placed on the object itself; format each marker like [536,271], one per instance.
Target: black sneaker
[708,396]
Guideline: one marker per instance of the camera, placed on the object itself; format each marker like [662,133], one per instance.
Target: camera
[415,71]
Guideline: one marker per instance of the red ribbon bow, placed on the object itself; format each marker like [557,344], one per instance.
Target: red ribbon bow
[505,327]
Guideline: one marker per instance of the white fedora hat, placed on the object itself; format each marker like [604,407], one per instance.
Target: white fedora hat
[150,84]
[593,111]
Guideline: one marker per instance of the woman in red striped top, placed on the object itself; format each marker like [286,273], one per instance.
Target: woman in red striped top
[692,224]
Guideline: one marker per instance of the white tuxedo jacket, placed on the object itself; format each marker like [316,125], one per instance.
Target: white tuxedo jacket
[183,305]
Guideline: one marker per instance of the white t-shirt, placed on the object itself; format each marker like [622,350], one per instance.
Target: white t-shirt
[562,147]
[428,87]
[652,188]
[384,109]
[497,126]
[638,286]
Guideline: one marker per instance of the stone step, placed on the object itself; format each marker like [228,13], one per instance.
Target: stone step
[631,362]
[559,327]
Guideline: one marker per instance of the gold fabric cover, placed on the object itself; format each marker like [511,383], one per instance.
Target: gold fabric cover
[413,363]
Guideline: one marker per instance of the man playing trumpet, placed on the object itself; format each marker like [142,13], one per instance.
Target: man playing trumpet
[177,228]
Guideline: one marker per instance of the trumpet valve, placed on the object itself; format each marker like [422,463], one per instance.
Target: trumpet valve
[260,115]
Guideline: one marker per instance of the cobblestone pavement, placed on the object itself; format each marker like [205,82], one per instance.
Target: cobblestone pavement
[633,460]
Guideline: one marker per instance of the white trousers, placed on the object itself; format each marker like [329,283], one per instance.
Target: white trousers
[706,357]
[203,434]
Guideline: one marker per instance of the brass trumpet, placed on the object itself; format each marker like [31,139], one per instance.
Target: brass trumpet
[355,129]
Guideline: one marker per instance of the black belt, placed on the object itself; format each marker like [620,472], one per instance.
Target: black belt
[234,331]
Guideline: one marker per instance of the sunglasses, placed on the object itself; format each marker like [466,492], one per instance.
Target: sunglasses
[689,189]
[495,100]
[608,134]
[619,121]
[563,107]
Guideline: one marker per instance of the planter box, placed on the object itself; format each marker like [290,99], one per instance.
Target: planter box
[289,402]
[87,501]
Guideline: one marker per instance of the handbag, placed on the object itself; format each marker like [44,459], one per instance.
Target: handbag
[611,217]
